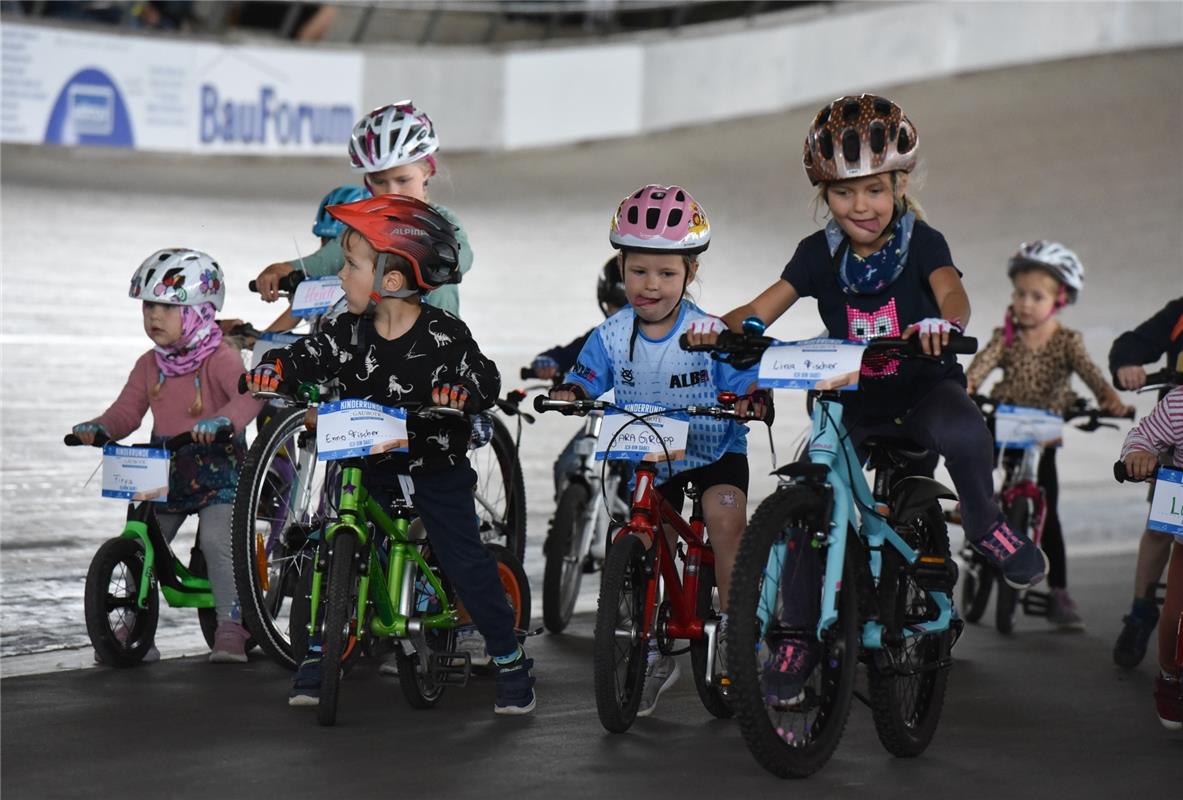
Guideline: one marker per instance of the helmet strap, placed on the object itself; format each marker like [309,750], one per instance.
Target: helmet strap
[380,275]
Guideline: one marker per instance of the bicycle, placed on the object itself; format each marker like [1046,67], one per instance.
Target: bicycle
[128,574]
[1023,503]
[642,597]
[885,595]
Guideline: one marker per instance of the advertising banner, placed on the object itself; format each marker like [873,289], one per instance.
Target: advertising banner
[69,87]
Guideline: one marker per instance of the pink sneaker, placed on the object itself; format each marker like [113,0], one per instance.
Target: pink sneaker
[229,644]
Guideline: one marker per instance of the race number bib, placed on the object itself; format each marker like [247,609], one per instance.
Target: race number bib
[660,437]
[823,364]
[316,296]
[1166,507]
[135,473]
[270,341]
[1016,426]
[350,428]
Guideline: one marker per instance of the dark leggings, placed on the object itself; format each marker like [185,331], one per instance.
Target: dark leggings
[1053,535]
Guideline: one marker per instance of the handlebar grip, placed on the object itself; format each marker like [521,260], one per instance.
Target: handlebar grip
[70,440]
[526,373]
[684,343]
[543,404]
[962,345]
[1119,473]
[223,436]
[287,283]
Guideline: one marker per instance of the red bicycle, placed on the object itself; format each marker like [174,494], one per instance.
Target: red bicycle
[642,595]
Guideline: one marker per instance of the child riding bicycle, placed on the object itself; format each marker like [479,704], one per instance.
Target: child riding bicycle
[660,232]
[391,348]
[189,381]
[1038,356]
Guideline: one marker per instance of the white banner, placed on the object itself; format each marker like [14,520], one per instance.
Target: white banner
[71,87]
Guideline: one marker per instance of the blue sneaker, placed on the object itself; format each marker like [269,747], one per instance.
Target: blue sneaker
[306,682]
[1021,563]
[1136,630]
[515,686]
[793,660]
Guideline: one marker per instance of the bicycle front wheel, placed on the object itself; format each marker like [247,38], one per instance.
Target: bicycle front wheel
[796,739]
[709,693]
[500,492]
[280,502]
[120,632]
[619,648]
[337,638]
[564,558]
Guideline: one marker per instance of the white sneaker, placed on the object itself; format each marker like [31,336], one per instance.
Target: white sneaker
[469,640]
[661,673]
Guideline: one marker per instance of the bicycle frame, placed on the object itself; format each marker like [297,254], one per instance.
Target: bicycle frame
[831,446]
[180,587]
[1020,483]
[389,591]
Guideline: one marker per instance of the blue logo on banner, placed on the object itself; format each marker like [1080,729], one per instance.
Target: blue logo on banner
[90,111]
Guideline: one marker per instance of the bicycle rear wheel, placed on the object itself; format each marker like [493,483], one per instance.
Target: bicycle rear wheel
[338,633]
[976,584]
[908,679]
[281,501]
[564,561]
[500,491]
[797,740]
[619,649]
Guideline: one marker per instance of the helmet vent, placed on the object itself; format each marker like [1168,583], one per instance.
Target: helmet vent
[680,197]
[878,137]
[882,107]
[904,143]
[652,218]
[825,144]
[850,111]
[675,217]
[823,117]
[632,215]
[850,146]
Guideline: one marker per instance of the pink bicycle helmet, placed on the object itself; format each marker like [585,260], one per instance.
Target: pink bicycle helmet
[660,219]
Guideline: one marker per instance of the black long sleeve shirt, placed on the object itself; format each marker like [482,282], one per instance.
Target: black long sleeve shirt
[438,349]
[1162,333]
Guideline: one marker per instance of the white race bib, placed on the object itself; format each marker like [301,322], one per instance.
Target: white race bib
[823,364]
[316,296]
[349,428]
[661,437]
[135,473]
[270,341]
[1017,426]
[1166,507]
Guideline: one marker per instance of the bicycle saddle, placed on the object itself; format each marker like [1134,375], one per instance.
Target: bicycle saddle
[894,451]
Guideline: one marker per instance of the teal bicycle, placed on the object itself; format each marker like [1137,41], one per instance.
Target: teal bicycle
[886,588]
[129,573]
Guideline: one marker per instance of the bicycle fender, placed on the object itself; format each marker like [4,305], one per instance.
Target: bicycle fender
[912,495]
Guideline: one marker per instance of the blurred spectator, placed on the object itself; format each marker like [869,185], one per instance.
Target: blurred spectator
[302,22]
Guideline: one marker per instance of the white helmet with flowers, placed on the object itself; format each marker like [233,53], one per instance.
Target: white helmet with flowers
[180,277]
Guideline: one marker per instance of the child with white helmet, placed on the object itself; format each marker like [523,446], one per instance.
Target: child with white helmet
[660,232]
[1038,357]
[189,380]
[878,269]
[394,148]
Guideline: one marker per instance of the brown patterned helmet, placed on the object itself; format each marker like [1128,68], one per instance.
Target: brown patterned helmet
[856,136]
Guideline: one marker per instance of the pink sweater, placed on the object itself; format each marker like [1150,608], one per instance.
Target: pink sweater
[1161,430]
[170,409]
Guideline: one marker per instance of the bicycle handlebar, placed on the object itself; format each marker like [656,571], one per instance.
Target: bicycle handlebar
[287,283]
[223,436]
[1119,473]
[753,345]
[1162,378]
[544,404]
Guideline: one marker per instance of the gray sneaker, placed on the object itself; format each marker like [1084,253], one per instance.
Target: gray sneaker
[660,674]
[1062,612]
[469,640]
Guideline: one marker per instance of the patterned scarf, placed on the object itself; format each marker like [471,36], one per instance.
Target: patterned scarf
[200,336]
[871,274]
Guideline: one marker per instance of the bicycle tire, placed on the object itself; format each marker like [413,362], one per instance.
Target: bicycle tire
[710,695]
[340,608]
[501,491]
[792,745]
[619,670]
[266,578]
[976,585]
[907,708]
[563,573]
[1006,602]
[118,565]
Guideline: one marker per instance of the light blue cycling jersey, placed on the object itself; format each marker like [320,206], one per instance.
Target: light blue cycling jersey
[660,372]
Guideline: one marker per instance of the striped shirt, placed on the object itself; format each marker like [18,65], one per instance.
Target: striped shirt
[1161,430]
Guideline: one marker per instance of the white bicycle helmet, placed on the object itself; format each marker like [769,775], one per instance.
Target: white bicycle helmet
[1053,258]
[391,136]
[178,276]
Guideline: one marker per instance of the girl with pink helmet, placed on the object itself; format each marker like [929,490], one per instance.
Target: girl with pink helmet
[660,232]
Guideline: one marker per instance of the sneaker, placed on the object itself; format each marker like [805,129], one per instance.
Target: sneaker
[660,674]
[1021,563]
[121,633]
[229,644]
[1135,634]
[469,640]
[793,660]
[721,672]
[1168,700]
[515,686]
[306,682]
[1061,611]
[389,667]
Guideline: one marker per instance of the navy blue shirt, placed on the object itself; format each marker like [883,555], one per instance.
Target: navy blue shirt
[888,386]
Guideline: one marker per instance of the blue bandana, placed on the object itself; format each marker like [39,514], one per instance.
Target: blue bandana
[874,273]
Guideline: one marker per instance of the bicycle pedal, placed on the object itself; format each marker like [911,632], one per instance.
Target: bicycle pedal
[935,573]
[1036,604]
[452,669]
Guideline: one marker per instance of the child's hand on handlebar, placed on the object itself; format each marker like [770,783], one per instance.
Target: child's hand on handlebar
[568,392]
[450,395]
[267,284]
[544,367]
[756,404]
[205,430]
[703,333]
[1113,405]
[264,378]
[1131,377]
[1140,464]
[86,431]
[933,332]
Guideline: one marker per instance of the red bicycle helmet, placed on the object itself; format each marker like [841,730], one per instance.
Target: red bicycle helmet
[409,228]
